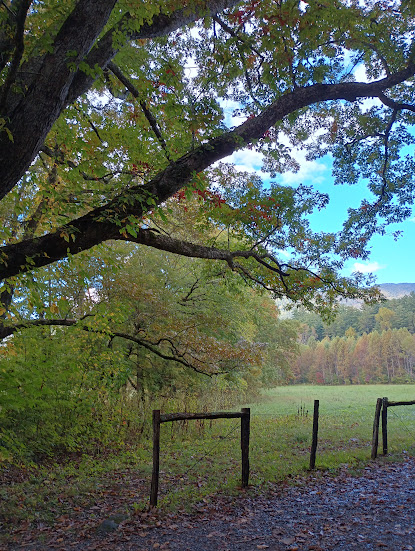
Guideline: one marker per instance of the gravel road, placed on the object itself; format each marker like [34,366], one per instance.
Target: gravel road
[373,511]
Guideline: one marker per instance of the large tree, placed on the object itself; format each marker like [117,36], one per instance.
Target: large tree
[108,109]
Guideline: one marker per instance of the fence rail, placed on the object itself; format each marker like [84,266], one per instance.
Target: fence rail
[158,418]
[391,404]
[164,418]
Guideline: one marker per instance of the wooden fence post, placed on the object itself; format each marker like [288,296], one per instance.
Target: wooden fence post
[245,427]
[244,415]
[156,458]
[375,437]
[315,435]
[385,425]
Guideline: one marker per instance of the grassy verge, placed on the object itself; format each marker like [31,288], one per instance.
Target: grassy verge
[200,460]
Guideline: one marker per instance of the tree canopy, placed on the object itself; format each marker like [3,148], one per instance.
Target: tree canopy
[112,118]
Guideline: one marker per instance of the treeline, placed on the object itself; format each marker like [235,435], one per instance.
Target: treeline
[378,357]
[392,314]
[373,344]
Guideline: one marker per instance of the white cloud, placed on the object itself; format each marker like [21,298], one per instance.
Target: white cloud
[367,268]
[283,253]
[247,159]
[310,172]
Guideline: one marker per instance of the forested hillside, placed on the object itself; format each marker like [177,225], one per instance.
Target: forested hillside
[397,290]
[369,344]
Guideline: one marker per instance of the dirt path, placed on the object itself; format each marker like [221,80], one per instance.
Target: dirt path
[373,511]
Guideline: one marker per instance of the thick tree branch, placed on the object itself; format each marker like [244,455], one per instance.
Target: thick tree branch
[18,51]
[31,115]
[53,82]
[7,330]
[107,222]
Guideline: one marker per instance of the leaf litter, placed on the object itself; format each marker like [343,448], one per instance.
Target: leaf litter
[319,512]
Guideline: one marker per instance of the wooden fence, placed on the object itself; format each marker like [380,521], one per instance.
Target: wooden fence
[158,418]
[381,413]
[244,415]
[382,406]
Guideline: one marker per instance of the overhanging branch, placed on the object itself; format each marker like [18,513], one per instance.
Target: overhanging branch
[395,105]
[8,330]
[106,222]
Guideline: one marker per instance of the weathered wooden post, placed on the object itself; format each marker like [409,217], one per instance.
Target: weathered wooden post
[245,428]
[375,437]
[385,425]
[315,435]
[156,458]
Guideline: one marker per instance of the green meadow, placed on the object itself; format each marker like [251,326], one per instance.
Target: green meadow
[200,460]
[205,458]
[346,415]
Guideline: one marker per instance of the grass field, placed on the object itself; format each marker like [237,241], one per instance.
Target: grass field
[199,460]
[345,424]
[281,430]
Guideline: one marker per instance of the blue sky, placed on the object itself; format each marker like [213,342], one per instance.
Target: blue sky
[391,261]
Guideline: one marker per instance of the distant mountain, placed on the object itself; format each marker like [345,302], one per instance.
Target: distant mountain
[389,290]
[397,290]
